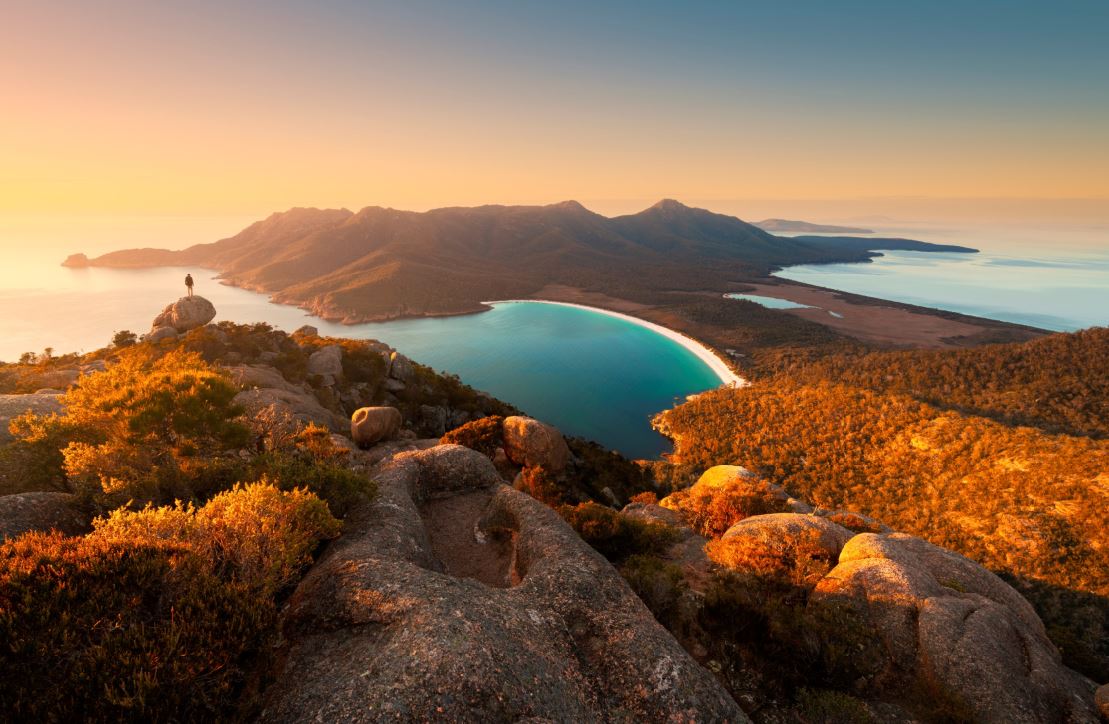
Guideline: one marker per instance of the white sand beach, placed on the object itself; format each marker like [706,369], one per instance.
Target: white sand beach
[706,355]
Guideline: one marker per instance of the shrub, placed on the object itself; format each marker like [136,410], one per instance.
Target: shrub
[538,483]
[150,428]
[616,536]
[314,462]
[264,534]
[124,338]
[34,461]
[155,615]
[855,522]
[712,510]
[484,435]
[799,562]
[658,583]
[362,364]
[645,498]
[597,468]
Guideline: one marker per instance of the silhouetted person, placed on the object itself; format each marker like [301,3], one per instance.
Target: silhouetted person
[189,283]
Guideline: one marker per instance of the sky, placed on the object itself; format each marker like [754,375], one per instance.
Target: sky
[237,108]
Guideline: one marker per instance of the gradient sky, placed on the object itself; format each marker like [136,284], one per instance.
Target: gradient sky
[242,107]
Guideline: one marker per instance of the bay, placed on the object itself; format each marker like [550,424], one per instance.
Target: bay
[588,373]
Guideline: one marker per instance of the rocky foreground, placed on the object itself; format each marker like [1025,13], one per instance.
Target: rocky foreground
[454,595]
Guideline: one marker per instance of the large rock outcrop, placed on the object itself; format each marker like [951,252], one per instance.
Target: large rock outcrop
[369,425]
[302,406]
[930,619]
[529,442]
[779,532]
[185,314]
[41,511]
[326,361]
[453,597]
[12,406]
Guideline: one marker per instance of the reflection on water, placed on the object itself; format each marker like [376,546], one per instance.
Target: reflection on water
[768,302]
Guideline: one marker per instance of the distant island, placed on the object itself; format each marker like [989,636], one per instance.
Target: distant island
[381,263]
[791,225]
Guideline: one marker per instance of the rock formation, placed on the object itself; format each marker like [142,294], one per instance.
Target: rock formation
[185,314]
[370,425]
[159,333]
[454,597]
[326,361]
[400,367]
[41,511]
[12,406]
[76,261]
[301,405]
[776,531]
[529,442]
[941,622]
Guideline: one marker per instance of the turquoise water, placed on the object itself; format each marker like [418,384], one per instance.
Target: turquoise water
[590,374]
[768,302]
[1061,289]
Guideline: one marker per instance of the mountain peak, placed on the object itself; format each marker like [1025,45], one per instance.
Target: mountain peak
[670,205]
[569,205]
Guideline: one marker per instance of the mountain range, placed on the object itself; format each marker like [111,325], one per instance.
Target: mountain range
[381,263]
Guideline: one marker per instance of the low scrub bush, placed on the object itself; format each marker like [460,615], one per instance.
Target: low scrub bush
[712,510]
[615,536]
[156,614]
[313,462]
[484,435]
[539,484]
[658,583]
[149,428]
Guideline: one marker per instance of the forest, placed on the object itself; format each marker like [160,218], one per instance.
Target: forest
[996,452]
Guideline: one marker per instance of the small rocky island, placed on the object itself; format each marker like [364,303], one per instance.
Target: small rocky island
[76,261]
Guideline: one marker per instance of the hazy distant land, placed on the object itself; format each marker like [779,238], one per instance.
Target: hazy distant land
[791,225]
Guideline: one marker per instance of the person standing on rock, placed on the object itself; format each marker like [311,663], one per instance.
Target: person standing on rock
[189,283]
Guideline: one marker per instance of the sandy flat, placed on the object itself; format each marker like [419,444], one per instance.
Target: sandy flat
[887,325]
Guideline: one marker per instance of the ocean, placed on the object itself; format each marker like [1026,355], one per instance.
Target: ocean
[1051,278]
[587,373]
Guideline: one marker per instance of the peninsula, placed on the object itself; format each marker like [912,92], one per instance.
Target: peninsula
[668,264]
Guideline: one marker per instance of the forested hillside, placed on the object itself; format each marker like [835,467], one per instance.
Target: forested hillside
[927,443]
[1058,383]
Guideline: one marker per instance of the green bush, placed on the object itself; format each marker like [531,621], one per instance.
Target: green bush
[658,583]
[149,428]
[124,338]
[156,614]
[316,464]
[615,536]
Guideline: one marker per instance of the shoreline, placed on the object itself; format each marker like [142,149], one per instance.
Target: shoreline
[728,378]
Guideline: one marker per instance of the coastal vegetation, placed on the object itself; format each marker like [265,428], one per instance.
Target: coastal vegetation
[972,450]
[157,614]
[200,518]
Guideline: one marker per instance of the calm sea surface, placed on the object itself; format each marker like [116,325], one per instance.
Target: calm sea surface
[587,373]
[1052,279]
